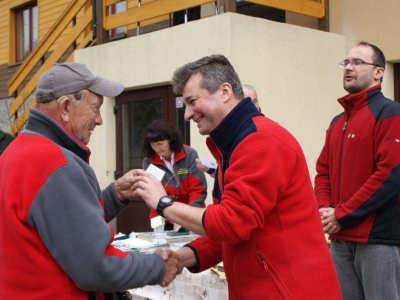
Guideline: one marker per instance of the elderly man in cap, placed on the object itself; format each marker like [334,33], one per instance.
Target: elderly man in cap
[54,236]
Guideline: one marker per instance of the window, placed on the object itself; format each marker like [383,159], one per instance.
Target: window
[26,31]
[112,10]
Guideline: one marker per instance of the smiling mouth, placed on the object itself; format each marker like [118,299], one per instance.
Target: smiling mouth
[198,120]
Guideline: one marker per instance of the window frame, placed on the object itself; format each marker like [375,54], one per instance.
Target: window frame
[15,31]
[113,34]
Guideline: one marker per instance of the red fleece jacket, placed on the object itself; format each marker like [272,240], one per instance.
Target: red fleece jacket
[265,224]
[358,170]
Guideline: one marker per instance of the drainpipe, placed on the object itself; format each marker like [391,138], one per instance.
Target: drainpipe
[94,24]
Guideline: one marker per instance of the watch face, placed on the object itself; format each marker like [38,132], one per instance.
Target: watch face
[165,199]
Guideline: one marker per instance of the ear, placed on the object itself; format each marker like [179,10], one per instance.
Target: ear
[64,108]
[379,73]
[226,91]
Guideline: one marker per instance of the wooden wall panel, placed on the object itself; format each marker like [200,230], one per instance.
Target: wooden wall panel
[5,74]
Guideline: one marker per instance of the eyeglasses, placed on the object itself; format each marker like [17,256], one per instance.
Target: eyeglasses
[355,63]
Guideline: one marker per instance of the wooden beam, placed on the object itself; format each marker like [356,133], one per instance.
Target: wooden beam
[65,43]
[148,11]
[22,119]
[110,2]
[306,7]
[88,40]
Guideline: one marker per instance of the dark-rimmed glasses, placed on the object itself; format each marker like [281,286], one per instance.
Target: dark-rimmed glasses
[356,62]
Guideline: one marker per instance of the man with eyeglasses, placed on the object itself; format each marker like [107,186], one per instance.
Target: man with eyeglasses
[358,181]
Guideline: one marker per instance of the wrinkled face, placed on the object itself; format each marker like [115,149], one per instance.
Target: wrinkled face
[162,148]
[364,76]
[203,108]
[84,115]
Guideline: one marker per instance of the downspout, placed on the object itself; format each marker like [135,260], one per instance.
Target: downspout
[94,24]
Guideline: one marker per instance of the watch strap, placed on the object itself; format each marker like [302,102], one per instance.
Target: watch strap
[162,205]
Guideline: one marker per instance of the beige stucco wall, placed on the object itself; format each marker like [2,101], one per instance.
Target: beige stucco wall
[374,21]
[294,69]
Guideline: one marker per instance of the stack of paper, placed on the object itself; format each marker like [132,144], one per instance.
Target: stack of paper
[155,237]
[134,244]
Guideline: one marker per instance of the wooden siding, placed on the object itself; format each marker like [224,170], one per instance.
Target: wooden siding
[5,74]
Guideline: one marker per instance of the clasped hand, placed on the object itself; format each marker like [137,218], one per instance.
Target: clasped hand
[173,266]
[329,221]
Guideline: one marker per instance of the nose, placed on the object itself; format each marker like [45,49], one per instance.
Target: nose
[99,120]
[155,147]
[349,66]
[188,113]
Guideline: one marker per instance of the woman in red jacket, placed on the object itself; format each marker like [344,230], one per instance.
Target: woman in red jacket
[162,146]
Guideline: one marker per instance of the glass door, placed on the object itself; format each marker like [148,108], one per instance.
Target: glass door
[134,111]
[136,115]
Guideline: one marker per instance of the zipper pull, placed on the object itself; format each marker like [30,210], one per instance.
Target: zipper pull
[344,126]
[262,260]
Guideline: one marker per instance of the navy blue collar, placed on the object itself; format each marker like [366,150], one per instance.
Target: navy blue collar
[234,125]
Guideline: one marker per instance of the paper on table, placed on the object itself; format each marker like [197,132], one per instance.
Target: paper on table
[157,172]
[208,162]
[132,243]
[157,221]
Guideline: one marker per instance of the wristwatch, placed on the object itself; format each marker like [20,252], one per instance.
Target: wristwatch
[164,202]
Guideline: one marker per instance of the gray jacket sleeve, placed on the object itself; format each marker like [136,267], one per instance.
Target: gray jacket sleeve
[69,218]
[112,204]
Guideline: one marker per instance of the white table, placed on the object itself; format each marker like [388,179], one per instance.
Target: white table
[188,286]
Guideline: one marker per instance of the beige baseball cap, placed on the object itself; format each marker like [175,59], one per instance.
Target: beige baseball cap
[68,78]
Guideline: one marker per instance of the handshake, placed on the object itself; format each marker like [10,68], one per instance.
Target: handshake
[173,265]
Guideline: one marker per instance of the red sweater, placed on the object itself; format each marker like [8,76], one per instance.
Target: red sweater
[358,170]
[265,224]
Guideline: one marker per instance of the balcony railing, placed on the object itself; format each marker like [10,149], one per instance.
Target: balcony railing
[146,10]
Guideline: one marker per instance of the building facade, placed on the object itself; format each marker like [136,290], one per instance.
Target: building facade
[290,55]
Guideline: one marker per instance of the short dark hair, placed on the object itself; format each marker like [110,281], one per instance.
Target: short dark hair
[216,69]
[160,130]
[377,56]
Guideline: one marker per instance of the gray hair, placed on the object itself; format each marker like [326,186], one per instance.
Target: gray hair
[216,70]
[249,87]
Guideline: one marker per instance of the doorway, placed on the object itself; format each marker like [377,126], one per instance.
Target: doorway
[134,111]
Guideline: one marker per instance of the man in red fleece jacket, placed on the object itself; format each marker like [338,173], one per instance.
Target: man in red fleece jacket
[55,239]
[358,181]
[264,223]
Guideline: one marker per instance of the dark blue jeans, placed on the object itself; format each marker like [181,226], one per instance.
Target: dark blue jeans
[367,271]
